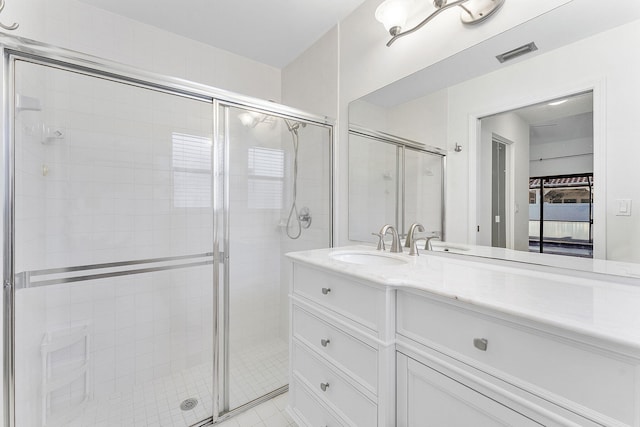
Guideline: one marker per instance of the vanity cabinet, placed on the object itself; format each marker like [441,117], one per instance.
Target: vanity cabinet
[342,351]
[374,353]
[578,376]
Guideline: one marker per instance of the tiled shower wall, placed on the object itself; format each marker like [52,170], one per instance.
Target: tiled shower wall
[259,271]
[96,182]
[103,175]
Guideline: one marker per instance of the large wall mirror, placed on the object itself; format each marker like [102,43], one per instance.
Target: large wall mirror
[541,151]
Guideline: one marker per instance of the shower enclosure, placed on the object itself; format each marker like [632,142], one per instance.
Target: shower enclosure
[145,223]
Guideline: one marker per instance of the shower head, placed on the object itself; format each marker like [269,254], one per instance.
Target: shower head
[293,126]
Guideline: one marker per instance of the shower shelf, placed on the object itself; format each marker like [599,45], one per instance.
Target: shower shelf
[58,375]
[68,376]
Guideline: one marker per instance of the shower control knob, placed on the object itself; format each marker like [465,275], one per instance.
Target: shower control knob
[325,342]
[325,291]
[324,386]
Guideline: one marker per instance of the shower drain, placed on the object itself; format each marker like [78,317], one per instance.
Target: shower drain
[189,404]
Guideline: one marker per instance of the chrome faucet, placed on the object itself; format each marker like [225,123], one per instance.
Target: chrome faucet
[380,237]
[396,245]
[414,246]
[408,243]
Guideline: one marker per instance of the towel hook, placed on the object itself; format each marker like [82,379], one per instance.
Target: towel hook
[11,27]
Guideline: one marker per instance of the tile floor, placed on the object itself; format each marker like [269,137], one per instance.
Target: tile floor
[254,372]
[268,414]
[258,370]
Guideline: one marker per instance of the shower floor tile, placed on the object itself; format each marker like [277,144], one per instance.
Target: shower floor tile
[268,414]
[254,372]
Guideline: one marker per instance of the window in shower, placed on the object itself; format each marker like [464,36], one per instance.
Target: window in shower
[266,174]
[191,171]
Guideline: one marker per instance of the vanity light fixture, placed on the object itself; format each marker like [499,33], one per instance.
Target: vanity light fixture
[393,14]
[11,27]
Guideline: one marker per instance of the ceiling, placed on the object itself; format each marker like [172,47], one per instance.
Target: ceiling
[572,119]
[273,32]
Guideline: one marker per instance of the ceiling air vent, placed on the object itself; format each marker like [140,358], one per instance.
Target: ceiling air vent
[519,51]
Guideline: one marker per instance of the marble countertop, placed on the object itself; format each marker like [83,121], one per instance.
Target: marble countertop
[597,307]
[590,265]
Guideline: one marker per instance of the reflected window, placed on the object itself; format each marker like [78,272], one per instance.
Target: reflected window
[191,160]
[266,176]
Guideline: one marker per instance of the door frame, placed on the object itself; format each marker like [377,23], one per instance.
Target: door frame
[598,88]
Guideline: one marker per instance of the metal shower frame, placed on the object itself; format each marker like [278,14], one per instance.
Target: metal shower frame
[17,48]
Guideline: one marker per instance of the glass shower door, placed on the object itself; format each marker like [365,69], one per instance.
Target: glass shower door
[277,200]
[114,296]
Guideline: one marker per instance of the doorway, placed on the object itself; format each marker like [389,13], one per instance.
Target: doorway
[552,148]
[498,193]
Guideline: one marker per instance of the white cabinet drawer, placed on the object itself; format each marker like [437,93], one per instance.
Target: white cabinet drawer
[306,407]
[360,303]
[588,377]
[343,350]
[336,390]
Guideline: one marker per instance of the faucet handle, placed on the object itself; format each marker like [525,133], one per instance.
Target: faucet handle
[427,245]
[381,246]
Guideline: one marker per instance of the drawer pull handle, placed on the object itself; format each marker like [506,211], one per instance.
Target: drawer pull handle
[325,291]
[324,342]
[480,343]
[324,386]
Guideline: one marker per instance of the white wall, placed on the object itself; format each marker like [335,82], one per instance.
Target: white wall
[561,157]
[588,64]
[421,120]
[77,26]
[369,116]
[310,82]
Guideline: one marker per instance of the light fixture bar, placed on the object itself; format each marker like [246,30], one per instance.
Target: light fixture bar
[11,27]
[393,13]
[425,21]
[519,51]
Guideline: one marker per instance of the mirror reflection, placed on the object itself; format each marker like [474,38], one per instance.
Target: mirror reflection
[536,178]
[393,181]
[570,188]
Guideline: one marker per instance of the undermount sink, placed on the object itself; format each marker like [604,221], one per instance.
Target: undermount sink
[368,258]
